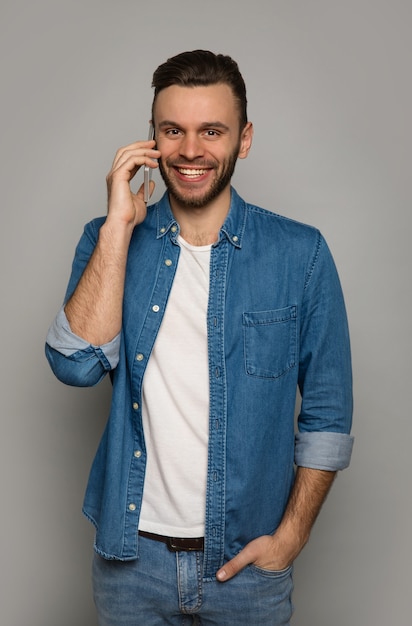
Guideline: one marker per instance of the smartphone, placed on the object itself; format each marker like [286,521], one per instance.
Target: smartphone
[148,170]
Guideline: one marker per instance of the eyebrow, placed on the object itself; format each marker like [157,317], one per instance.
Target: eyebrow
[204,126]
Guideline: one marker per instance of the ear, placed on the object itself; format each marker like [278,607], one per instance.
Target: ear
[245,140]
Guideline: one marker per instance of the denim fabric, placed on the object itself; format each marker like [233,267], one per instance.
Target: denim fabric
[162,587]
[276,321]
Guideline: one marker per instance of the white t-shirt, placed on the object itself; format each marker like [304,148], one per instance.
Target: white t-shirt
[175,405]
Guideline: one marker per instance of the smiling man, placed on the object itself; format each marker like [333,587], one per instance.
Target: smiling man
[209,313]
[200,139]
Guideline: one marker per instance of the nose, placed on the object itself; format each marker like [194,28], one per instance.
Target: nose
[191,146]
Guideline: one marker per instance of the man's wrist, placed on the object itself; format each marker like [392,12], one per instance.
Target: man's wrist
[116,232]
[288,544]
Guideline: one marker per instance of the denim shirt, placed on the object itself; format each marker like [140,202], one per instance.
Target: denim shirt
[276,322]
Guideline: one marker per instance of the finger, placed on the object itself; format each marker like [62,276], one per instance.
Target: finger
[135,158]
[127,168]
[146,143]
[139,147]
[235,565]
[142,148]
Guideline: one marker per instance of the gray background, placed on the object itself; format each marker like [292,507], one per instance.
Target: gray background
[330,94]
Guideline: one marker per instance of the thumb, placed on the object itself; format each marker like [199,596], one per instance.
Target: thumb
[140,191]
[152,186]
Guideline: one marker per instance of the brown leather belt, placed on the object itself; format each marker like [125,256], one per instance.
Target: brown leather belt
[177,544]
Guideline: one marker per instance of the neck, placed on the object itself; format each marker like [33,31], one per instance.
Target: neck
[200,226]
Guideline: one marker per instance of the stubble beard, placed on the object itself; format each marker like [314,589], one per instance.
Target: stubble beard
[188,200]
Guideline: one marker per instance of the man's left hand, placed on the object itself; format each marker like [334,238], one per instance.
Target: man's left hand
[266,552]
[278,551]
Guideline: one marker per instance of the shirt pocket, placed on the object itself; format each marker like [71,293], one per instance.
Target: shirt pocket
[270,341]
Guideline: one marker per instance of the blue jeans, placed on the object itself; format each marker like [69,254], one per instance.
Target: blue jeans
[164,587]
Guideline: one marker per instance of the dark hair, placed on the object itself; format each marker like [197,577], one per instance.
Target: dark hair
[202,68]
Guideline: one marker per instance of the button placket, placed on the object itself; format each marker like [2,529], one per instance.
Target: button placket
[215,515]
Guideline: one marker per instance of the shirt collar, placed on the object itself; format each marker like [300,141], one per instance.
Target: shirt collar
[233,228]
[235,223]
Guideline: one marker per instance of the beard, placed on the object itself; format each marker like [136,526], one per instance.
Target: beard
[189,198]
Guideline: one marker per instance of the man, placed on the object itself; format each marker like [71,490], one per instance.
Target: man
[208,312]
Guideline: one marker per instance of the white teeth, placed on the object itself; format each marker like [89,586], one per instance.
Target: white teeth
[192,173]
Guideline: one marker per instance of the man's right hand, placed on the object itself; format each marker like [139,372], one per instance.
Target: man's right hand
[124,205]
[94,310]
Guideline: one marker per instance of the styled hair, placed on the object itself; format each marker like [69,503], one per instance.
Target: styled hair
[202,68]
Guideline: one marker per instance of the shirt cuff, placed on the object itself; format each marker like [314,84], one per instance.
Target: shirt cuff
[61,338]
[323,450]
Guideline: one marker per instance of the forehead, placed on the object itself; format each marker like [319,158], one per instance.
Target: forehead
[196,104]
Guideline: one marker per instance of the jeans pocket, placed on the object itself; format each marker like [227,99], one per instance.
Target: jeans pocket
[268,573]
[270,341]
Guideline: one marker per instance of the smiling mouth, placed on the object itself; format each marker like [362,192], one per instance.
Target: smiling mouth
[191,173]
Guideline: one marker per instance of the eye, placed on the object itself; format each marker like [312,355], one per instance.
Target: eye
[211,133]
[172,132]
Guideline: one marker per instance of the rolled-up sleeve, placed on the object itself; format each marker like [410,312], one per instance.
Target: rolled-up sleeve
[325,375]
[75,361]
[323,450]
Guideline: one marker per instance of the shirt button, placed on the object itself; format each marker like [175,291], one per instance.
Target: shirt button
[173,229]
[156,308]
[135,406]
[163,230]
[168,262]
[139,357]
[137,454]
[132,507]
[235,238]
